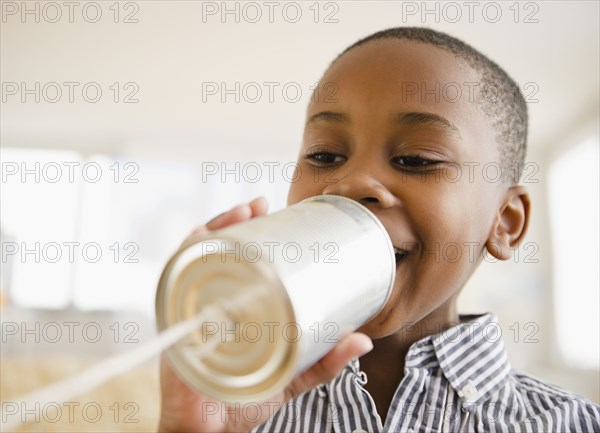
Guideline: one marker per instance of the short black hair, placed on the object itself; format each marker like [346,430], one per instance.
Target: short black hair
[498,96]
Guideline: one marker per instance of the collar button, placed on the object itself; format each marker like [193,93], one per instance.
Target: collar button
[470,392]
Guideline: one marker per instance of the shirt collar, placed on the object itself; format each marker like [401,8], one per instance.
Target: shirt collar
[471,356]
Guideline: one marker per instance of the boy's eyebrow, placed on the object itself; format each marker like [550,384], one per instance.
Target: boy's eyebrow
[425,118]
[328,116]
[404,118]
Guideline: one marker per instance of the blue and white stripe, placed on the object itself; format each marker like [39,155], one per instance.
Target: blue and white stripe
[456,381]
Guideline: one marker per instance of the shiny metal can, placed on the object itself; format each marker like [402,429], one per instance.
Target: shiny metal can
[291,285]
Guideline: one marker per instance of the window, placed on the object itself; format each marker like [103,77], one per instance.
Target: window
[573,194]
[95,233]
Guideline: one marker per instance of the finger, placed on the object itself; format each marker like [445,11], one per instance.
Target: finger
[198,231]
[330,365]
[259,206]
[237,214]
[242,212]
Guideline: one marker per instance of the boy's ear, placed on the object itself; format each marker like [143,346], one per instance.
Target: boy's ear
[511,223]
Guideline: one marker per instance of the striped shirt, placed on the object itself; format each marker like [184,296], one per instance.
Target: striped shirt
[457,381]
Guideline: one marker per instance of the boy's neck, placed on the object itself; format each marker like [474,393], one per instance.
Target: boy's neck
[396,346]
[384,365]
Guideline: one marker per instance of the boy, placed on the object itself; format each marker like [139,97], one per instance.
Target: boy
[389,140]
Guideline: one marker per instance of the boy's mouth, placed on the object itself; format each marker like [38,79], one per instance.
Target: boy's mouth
[400,255]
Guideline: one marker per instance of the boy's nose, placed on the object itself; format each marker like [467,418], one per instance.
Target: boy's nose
[364,189]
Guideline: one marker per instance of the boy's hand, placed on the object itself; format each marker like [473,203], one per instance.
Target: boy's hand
[184,410]
[242,212]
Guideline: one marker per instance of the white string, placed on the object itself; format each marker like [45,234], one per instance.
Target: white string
[103,371]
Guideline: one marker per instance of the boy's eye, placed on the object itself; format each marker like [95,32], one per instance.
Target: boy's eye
[325,158]
[415,162]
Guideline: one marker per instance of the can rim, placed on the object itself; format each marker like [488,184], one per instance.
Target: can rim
[283,375]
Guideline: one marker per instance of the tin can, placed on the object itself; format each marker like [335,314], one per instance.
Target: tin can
[291,285]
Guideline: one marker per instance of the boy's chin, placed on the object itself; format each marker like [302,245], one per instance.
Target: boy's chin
[374,328]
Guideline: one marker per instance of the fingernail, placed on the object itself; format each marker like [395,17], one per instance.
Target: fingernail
[366,345]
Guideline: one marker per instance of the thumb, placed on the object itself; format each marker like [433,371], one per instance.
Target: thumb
[330,365]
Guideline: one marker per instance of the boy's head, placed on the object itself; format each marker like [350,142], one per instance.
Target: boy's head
[430,135]
[496,94]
